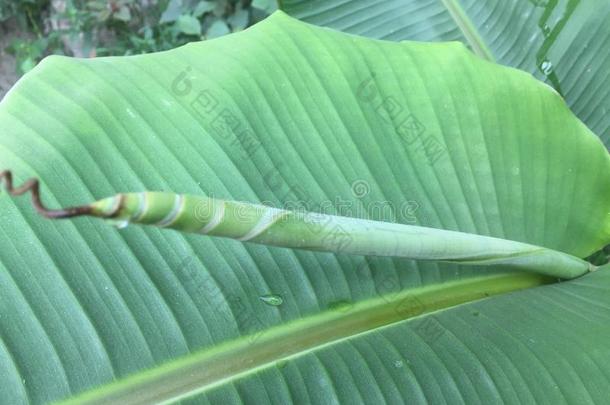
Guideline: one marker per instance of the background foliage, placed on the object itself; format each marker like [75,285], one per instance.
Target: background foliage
[33,29]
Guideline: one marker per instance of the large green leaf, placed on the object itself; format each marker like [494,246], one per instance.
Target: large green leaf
[283,111]
[543,345]
[560,41]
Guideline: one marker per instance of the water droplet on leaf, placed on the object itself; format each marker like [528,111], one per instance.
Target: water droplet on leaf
[121,224]
[546,30]
[272,299]
[546,67]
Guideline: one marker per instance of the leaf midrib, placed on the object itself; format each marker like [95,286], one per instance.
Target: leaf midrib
[211,367]
[468,29]
[463,22]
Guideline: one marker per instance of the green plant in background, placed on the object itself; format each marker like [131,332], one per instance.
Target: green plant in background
[28,17]
[29,51]
[23,10]
[425,135]
[121,27]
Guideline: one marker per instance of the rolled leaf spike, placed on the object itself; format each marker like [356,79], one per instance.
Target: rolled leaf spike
[266,225]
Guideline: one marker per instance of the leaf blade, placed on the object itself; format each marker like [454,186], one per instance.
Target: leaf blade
[92,128]
[542,38]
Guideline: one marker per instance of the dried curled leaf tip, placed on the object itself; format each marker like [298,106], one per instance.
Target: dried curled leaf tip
[33,185]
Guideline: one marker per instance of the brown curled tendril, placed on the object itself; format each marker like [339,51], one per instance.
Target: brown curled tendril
[33,185]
